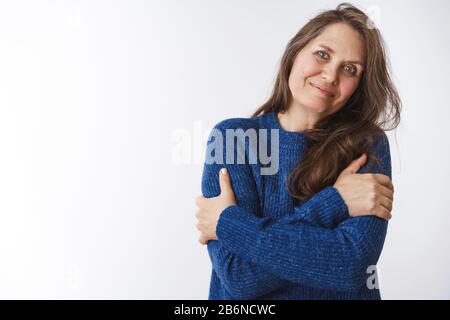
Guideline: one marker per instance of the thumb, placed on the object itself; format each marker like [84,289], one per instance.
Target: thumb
[356,164]
[224,180]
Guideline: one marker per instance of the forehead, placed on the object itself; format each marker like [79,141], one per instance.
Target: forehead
[345,41]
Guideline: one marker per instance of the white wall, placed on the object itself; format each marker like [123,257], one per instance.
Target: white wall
[92,203]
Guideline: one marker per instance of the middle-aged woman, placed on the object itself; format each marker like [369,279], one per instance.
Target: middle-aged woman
[316,227]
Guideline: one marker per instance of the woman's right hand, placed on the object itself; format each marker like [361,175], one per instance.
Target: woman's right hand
[365,193]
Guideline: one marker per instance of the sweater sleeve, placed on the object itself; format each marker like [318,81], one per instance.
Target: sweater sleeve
[335,259]
[325,209]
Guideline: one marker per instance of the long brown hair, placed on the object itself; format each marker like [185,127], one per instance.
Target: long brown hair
[343,136]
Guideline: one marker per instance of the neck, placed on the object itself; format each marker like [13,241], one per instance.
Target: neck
[295,119]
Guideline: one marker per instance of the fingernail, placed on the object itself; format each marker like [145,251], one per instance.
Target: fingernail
[223,171]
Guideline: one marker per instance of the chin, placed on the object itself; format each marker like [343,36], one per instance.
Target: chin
[315,104]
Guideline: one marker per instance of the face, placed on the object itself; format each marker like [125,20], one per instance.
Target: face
[327,71]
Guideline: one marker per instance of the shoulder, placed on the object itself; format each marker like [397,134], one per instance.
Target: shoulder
[380,140]
[380,149]
[380,146]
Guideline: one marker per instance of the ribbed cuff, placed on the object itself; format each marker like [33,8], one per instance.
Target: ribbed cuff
[329,205]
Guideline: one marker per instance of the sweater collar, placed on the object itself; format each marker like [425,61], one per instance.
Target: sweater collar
[290,139]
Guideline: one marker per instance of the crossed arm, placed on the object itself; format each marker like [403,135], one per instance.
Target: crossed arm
[316,245]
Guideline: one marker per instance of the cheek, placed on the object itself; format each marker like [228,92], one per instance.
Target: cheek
[347,88]
[309,67]
[304,68]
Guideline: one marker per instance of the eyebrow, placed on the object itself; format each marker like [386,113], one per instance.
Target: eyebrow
[332,51]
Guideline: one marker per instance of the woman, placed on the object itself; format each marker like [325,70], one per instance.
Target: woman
[316,228]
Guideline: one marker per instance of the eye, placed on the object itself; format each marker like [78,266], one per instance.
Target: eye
[322,54]
[350,69]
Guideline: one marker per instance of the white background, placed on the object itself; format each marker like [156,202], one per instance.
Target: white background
[93,204]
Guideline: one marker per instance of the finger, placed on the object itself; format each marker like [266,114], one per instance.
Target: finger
[356,164]
[384,180]
[200,214]
[361,161]
[224,181]
[385,202]
[384,191]
[382,213]
[197,214]
[199,201]
[202,240]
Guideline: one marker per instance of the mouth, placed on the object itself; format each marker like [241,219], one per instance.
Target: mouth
[322,90]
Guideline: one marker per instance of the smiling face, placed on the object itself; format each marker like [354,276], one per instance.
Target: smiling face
[327,71]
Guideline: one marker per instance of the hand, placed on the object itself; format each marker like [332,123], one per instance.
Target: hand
[209,209]
[365,193]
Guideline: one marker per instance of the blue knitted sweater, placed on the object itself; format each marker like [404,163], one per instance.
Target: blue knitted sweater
[270,248]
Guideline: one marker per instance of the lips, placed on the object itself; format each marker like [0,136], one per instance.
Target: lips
[324,90]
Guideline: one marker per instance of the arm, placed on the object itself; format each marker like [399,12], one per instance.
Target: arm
[243,279]
[325,209]
[335,259]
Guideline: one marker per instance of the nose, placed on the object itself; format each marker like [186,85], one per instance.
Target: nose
[330,74]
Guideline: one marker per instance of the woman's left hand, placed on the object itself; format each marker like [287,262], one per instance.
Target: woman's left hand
[209,209]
